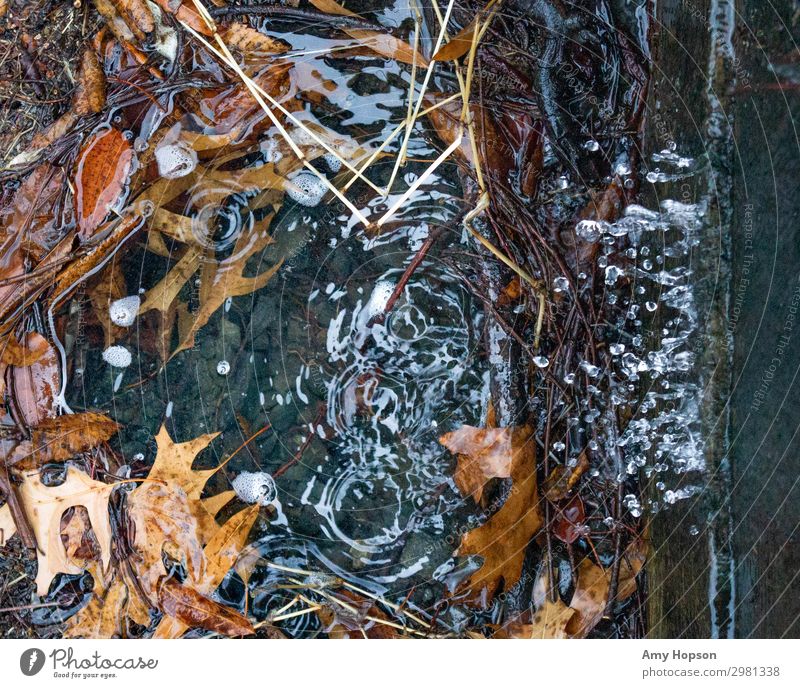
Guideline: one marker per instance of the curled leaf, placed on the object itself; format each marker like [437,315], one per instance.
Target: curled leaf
[36,386]
[198,611]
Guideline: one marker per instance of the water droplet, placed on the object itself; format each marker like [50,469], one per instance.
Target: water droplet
[612,275]
[541,361]
[560,284]
[223,367]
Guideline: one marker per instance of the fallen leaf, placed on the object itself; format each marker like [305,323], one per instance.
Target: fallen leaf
[31,225]
[387,45]
[459,44]
[61,438]
[103,615]
[563,478]
[162,296]
[90,92]
[173,466]
[332,7]
[502,540]
[44,507]
[589,599]
[164,524]
[137,16]
[35,387]
[633,561]
[101,174]
[355,617]
[548,622]
[22,355]
[482,454]
[383,43]
[569,521]
[7,527]
[251,42]
[225,278]
[197,611]
[185,11]
[221,553]
[77,537]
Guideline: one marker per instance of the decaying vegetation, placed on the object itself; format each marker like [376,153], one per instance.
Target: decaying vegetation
[87,179]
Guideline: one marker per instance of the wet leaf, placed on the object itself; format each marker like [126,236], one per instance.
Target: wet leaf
[77,537]
[348,615]
[36,386]
[547,622]
[383,43]
[30,226]
[501,541]
[164,524]
[103,615]
[101,174]
[387,45]
[90,92]
[459,44]
[169,515]
[252,43]
[332,7]
[173,466]
[162,296]
[589,599]
[22,355]
[44,507]
[221,553]
[61,438]
[570,518]
[633,561]
[482,454]
[7,527]
[197,611]
[225,278]
[185,11]
[563,478]
[137,15]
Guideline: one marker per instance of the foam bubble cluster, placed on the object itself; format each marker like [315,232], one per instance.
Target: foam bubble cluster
[117,356]
[175,161]
[270,151]
[255,488]
[305,189]
[123,311]
[334,163]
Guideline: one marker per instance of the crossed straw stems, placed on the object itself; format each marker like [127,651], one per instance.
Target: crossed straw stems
[414,112]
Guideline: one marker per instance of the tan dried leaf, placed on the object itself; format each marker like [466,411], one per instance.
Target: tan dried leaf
[221,553]
[44,507]
[548,622]
[483,454]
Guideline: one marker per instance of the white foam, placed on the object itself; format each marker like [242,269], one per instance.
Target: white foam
[175,160]
[123,311]
[255,488]
[306,189]
[117,356]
